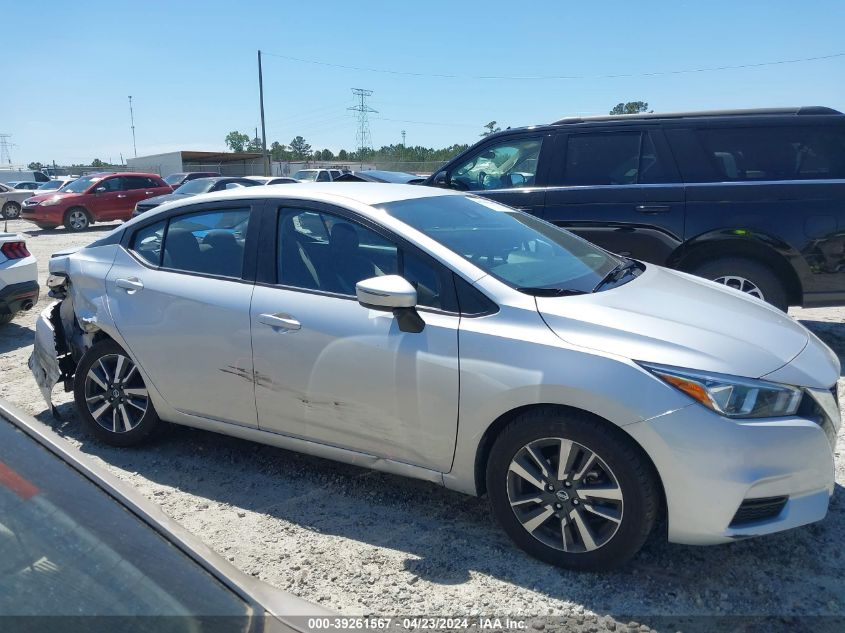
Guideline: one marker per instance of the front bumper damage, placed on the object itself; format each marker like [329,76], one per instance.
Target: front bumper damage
[51,360]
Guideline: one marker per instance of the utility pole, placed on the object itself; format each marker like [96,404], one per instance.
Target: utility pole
[402,155]
[265,159]
[363,111]
[132,119]
[5,156]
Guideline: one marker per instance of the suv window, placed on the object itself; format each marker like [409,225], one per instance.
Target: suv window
[322,251]
[612,158]
[776,153]
[112,184]
[139,182]
[323,176]
[508,164]
[207,242]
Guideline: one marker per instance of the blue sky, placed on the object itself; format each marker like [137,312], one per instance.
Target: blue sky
[191,67]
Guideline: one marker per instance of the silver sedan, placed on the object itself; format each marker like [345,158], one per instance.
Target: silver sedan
[446,337]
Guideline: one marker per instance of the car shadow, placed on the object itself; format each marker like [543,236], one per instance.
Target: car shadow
[448,537]
[34,231]
[833,335]
[14,336]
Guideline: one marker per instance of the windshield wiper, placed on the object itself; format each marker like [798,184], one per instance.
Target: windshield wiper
[618,272]
[551,292]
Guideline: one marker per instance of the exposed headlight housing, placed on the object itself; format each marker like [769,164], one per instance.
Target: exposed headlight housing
[732,396]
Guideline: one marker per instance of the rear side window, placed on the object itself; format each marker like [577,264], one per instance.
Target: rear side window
[612,158]
[208,242]
[775,153]
[140,182]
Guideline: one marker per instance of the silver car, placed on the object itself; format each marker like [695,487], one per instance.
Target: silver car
[447,337]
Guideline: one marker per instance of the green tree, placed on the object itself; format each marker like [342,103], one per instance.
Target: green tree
[279,151]
[97,163]
[327,154]
[491,128]
[236,141]
[35,166]
[632,107]
[254,145]
[300,148]
[343,155]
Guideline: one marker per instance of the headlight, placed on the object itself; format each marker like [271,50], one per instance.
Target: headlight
[49,202]
[732,396]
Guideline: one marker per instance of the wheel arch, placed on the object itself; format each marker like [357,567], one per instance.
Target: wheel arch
[759,248]
[493,431]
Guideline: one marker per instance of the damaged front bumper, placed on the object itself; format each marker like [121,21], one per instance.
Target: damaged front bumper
[51,361]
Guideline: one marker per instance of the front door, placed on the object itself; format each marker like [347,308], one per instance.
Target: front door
[508,170]
[109,195]
[619,189]
[332,371]
[183,310]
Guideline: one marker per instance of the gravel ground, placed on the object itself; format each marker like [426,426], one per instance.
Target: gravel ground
[365,542]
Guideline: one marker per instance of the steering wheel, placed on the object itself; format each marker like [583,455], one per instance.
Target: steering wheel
[482,178]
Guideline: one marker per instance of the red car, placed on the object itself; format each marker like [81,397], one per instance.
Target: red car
[93,198]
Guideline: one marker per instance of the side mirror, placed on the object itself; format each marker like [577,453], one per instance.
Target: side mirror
[391,293]
[441,179]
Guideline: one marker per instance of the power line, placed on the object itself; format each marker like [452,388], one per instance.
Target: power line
[381,118]
[705,69]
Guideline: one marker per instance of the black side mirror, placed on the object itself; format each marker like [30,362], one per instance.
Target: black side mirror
[442,179]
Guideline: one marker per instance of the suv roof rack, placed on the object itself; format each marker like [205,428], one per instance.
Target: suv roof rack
[803,110]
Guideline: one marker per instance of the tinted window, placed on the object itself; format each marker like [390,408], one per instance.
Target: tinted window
[210,242]
[67,548]
[139,182]
[147,243]
[782,153]
[602,158]
[113,184]
[511,163]
[515,247]
[200,185]
[323,176]
[174,179]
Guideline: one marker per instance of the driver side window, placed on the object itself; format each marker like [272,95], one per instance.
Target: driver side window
[510,164]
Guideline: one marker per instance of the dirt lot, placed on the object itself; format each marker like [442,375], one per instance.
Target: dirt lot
[366,542]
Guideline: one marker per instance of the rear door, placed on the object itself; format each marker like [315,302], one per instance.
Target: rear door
[137,188]
[618,188]
[511,170]
[179,292]
[106,198]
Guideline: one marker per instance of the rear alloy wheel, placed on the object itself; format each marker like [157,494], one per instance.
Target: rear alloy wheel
[11,210]
[111,396]
[77,219]
[748,276]
[571,490]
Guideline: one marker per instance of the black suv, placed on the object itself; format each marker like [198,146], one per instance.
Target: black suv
[754,199]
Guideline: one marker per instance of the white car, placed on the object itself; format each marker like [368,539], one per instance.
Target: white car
[18,277]
[53,185]
[447,337]
[317,175]
[11,200]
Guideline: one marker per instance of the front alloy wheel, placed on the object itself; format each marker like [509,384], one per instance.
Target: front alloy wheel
[11,210]
[742,284]
[77,220]
[564,495]
[572,489]
[111,396]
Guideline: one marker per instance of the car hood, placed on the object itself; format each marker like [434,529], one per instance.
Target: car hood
[41,197]
[671,318]
[166,197]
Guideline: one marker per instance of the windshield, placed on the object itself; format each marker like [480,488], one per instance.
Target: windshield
[174,179]
[80,185]
[517,248]
[200,185]
[51,186]
[306,174]
[69,548]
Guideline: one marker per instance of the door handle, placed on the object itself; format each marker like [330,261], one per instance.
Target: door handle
[149,193]
[651,209]
[121,195]
[280,320]
[130,284]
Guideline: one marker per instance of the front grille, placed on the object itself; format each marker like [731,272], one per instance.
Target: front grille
[754,510]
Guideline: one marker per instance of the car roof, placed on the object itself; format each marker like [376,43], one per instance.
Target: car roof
[104,174]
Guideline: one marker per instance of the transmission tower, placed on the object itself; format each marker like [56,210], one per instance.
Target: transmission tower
[363,110]
[5,157]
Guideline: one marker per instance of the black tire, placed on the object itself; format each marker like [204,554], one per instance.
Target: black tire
[6,318]
[103,355]
[11,210]
[764,278]
[632,477]
[77,219]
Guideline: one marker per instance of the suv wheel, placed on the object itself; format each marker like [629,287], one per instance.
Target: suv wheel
[11,210]
[571,491]
[111,396]
[77,219]
[748,276]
